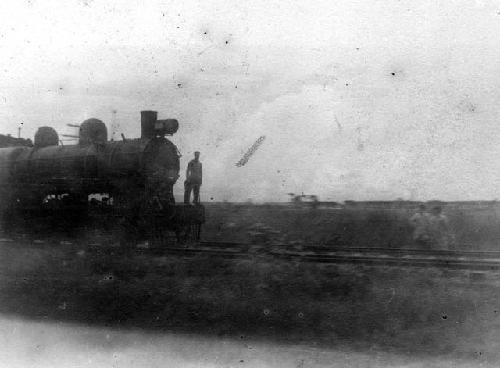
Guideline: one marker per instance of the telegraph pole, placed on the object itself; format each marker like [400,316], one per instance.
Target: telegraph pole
[113,124]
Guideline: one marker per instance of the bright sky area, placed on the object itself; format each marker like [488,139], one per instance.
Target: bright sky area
[380,100]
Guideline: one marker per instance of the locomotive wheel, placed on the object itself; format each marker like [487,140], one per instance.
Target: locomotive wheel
[196,232]
[189,233]
[10,221]
[158,236]
[129,233]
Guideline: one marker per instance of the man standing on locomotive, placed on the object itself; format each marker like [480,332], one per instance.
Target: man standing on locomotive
[193,179]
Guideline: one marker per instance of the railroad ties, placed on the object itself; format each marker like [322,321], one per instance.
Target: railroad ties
[396,257]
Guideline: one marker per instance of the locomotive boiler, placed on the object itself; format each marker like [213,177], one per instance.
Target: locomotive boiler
[134,178]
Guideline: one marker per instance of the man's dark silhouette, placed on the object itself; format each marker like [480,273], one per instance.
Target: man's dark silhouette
[193,179]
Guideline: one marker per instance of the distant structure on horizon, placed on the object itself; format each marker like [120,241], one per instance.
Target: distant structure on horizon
[9,141]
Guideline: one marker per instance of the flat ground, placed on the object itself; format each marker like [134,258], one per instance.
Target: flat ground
[409,315]
[473,226]
[59,301]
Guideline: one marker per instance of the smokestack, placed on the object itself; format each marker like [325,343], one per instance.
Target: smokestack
[148,120]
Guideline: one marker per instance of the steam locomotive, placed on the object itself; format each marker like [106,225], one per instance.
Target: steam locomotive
[123,186]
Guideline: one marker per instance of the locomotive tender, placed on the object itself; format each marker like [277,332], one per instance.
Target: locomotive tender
[135,176]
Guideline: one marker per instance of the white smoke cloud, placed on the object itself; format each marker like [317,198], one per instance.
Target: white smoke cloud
[355,102]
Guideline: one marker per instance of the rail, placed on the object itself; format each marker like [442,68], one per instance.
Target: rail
[394,257]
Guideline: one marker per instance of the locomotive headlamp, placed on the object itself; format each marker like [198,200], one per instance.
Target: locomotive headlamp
[167,126]
[152,127]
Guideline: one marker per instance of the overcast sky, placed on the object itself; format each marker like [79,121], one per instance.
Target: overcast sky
[357,101]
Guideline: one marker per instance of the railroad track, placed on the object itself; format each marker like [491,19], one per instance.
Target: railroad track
[464,264]
[401,257]
[405,251]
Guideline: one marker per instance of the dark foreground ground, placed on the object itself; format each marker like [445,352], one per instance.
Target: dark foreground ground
[415,312]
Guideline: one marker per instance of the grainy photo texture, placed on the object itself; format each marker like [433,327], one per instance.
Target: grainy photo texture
[249,184]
